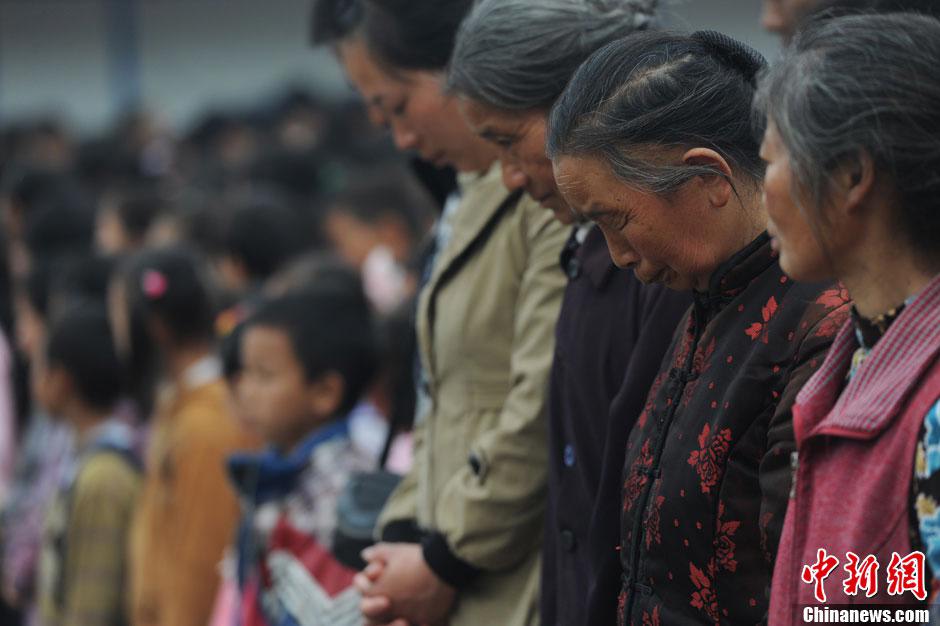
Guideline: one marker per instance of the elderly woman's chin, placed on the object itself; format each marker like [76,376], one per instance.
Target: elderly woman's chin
[663,275]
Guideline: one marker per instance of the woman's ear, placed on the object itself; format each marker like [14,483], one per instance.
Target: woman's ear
[853,183]
[718,187]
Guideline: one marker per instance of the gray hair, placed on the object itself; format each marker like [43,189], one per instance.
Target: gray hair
[519,54]
[638,97]
[864,85]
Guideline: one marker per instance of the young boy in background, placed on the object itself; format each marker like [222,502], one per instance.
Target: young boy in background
[307,359]
[83,550]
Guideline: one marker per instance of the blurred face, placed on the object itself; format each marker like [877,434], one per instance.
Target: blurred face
[166,230]
[801,255]
[352,238]
[110,236]
[11,218]
[230,274]
[783,16]
[664,239]
[520,139]
[277,399]
[119,318]
[30,328]
[412,105]
[49,385]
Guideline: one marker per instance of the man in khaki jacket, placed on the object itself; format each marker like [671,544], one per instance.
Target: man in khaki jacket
[475,496]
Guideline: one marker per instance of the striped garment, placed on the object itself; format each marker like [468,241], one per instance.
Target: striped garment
[876,388]
[84,542]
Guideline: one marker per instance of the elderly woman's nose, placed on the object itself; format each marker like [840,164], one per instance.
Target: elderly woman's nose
[625,257]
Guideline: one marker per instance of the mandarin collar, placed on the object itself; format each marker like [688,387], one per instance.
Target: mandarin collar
[735,274]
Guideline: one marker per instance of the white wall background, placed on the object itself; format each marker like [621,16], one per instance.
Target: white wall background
[58,56]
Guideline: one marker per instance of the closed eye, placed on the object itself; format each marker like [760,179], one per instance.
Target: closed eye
[503,141]
[616,220]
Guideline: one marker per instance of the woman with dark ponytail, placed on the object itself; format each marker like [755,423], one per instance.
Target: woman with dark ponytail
[653,141]
[462,533]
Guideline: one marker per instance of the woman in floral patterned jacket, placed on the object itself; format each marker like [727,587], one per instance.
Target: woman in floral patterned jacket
[652,140]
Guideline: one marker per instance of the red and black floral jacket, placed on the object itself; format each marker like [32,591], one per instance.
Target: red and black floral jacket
[707,471]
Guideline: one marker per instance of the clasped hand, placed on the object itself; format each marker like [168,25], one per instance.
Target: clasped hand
[399,589]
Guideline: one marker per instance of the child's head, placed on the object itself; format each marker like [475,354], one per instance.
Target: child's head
[315,270]
[24,191]
[50,286]
[158,303]
[79,368]
[258,235]
[387,208]
[307,358]
[124,220]
[56,230]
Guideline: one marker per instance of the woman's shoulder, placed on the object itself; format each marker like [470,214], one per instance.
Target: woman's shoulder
[825,309]
[526,228]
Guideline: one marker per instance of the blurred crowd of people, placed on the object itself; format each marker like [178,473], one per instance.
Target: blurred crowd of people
[614,324]
[206,227]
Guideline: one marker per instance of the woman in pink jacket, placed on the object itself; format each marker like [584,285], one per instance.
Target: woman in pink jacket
[853,192]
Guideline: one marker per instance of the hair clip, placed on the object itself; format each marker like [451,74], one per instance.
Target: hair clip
[154,284]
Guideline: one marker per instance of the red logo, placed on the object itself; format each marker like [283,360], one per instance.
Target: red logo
[817,573]
[904,574]
[862,575]
[907,574]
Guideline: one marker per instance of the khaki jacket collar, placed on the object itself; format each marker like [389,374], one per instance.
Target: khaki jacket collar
[482,203]
[479,206]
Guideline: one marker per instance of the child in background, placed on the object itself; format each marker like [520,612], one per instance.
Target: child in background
[378,226]
[44,450]
[83,550]
[124,219]
[307,359]
[258,234]
[162,319]
[382,422]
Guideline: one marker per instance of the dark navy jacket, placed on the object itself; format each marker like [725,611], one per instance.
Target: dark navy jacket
[611,336]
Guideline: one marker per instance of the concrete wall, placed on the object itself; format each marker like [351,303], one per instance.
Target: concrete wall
[70,57]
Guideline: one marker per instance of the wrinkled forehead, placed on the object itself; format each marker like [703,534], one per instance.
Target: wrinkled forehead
[573,176]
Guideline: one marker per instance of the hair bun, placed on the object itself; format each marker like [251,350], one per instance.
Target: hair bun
[732,52]
[641,13]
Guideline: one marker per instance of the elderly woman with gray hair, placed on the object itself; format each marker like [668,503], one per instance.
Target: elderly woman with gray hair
[853,192]
[512,60]
[653,141]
